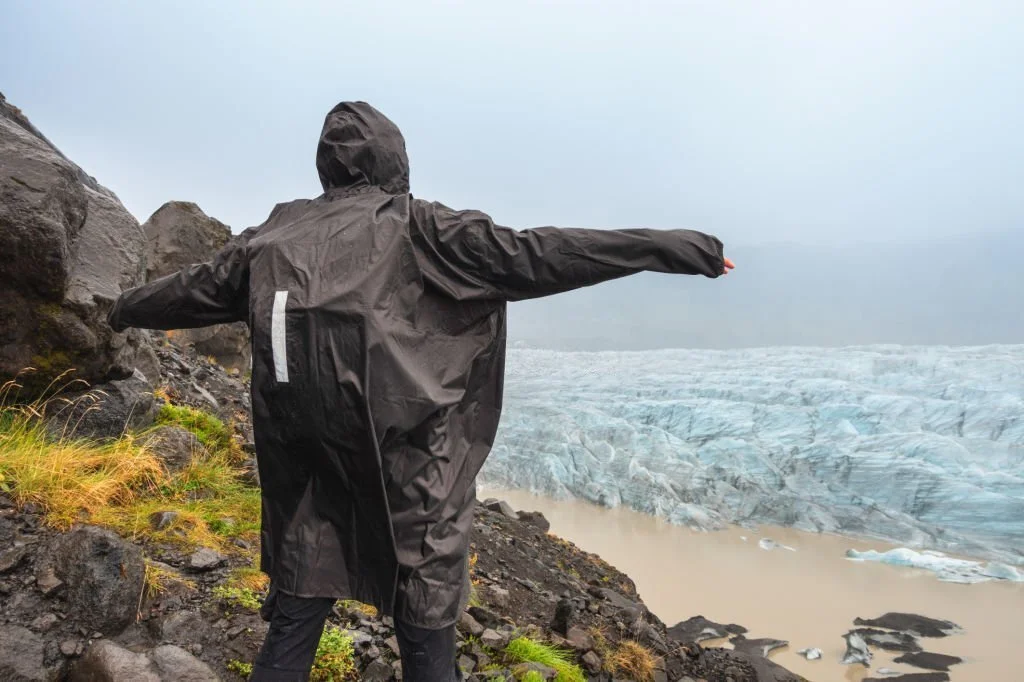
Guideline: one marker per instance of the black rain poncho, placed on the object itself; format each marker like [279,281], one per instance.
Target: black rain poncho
[378,350]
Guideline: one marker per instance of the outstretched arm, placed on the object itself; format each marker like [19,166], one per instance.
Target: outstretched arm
[198,296]
[489,261]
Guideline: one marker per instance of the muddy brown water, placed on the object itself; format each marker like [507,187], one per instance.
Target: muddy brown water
[808,597]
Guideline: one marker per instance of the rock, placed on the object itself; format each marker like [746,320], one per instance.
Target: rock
[174,663]
[466,664]
[890,641]
[175,446]
[501,507]
[162,519]
[178,235]
[810,654]
[592,662]
[106,661]
[856,650]
[487,618]
[469,625]
[565,616]
[205,559]
[535,519]
[48,582]
[929,661]
[922,626]
[496,596]
[44,623]
[105,410]
[103,577]
[494,639]
[71,647]
[11,558]
[757,647]
[70,248]
[21,655]
[700,629]
[377,671]
[619,601]
[579,639]
[392,643]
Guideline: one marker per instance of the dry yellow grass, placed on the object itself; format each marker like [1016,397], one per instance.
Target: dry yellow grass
[633,660]
[121,483]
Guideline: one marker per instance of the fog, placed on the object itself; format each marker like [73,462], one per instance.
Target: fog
[860,160]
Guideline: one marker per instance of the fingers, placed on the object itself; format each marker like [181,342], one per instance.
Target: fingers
[729,265]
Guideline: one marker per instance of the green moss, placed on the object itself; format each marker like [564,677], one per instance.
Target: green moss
[210,430]
[335,659]
[238,596]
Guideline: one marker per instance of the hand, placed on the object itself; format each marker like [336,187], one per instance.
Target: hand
[728,265]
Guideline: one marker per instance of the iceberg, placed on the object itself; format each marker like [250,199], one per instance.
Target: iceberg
[920,446]
[948,569]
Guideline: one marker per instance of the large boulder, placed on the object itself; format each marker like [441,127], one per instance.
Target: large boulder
[103,577]
[69,248]
[106,661]
[107,410]
[21,655]
[178,235]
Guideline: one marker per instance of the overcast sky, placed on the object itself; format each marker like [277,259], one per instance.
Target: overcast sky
[764,122]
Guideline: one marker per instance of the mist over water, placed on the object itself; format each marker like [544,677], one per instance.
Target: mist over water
[943,291]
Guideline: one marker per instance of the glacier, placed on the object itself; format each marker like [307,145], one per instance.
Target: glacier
[921,446]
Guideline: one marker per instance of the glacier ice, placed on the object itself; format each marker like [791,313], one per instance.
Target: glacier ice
[948,569]
[923,446]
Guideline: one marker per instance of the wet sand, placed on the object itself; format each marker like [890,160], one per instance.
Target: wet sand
[808,597]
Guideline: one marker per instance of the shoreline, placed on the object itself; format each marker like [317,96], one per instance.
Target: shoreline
[809,597]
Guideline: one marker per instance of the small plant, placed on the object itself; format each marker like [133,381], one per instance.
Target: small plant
[239,596]
[335,660]
[527,650]
[241,668]
[533,676]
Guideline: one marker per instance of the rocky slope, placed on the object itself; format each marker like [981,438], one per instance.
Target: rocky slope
[174,595]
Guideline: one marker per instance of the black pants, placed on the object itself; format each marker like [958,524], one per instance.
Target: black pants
[296,624]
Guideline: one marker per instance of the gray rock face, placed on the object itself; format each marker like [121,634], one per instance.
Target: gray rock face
[21,655]
[174,663]
[106,661]
[178,235]
[103,577]
[107,410]
[70,248]
[175,446]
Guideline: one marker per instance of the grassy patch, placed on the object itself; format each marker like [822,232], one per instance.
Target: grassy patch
[159,580]
[241,597]
[211,431]
[527,650]
[71,480]
[120,484]
[335,659]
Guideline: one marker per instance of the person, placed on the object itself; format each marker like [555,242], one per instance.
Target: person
[378,327]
